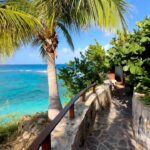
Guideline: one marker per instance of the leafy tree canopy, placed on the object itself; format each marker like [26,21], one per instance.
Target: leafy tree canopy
[133,54]
[82,72]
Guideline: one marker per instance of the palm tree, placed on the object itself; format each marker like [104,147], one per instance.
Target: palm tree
[70,15]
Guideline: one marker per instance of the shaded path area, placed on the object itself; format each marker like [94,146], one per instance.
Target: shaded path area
[113,126]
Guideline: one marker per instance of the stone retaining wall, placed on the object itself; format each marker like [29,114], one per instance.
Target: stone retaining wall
[141,122]
[71,134]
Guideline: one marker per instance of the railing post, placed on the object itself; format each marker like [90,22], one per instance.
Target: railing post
[83,97]
[94,89]
[47,143]
[71,112]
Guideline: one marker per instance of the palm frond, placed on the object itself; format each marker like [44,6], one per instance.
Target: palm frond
[22,5]
[108,14]
[16,28]
[66,34]
[16,17]
[43,53]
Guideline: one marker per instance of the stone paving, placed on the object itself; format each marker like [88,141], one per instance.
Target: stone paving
[113,126]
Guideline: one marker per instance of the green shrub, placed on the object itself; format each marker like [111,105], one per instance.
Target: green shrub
[146,99]
[131,51]
[81,72]
[144,85]
[7,131]
[8,126]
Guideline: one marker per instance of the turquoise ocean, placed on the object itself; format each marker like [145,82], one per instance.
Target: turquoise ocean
[24,90]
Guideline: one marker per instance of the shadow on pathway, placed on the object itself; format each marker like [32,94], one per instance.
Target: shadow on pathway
[113,126]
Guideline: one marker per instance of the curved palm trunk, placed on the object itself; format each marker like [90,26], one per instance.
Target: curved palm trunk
[54,105]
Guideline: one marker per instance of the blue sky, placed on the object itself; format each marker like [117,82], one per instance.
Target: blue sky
[30,55]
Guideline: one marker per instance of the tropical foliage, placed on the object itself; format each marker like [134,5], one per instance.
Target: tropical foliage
[16,27]
[133,54]
[146,99]
[7,131]
[84,71]
[130,50]
[23,17]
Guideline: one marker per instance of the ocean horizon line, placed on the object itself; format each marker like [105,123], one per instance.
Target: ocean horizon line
[27,64]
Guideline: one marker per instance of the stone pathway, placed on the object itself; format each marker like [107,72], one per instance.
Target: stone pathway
[113,126]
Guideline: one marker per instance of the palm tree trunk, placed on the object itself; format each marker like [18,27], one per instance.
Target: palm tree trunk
[54,104]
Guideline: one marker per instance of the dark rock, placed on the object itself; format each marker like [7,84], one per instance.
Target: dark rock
[102,147]
[109,146]
[123,143]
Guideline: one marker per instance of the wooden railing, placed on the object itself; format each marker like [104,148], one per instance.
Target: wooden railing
[44,138]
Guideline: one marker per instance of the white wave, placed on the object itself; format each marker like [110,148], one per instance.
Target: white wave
[42,71]
[16,70]
[21,70]
[24,70]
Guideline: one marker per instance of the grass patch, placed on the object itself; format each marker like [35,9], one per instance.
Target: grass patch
[9,125]
[146,99]
[7,131]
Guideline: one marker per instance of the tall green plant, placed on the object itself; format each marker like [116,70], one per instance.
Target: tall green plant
[132,53]
[84,71]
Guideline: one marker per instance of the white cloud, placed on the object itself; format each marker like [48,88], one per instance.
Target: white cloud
[65,55]
[65,50]
[108,34]
[86,47]
[107,46]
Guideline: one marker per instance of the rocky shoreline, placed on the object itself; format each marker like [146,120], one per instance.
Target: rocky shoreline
[28,128]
